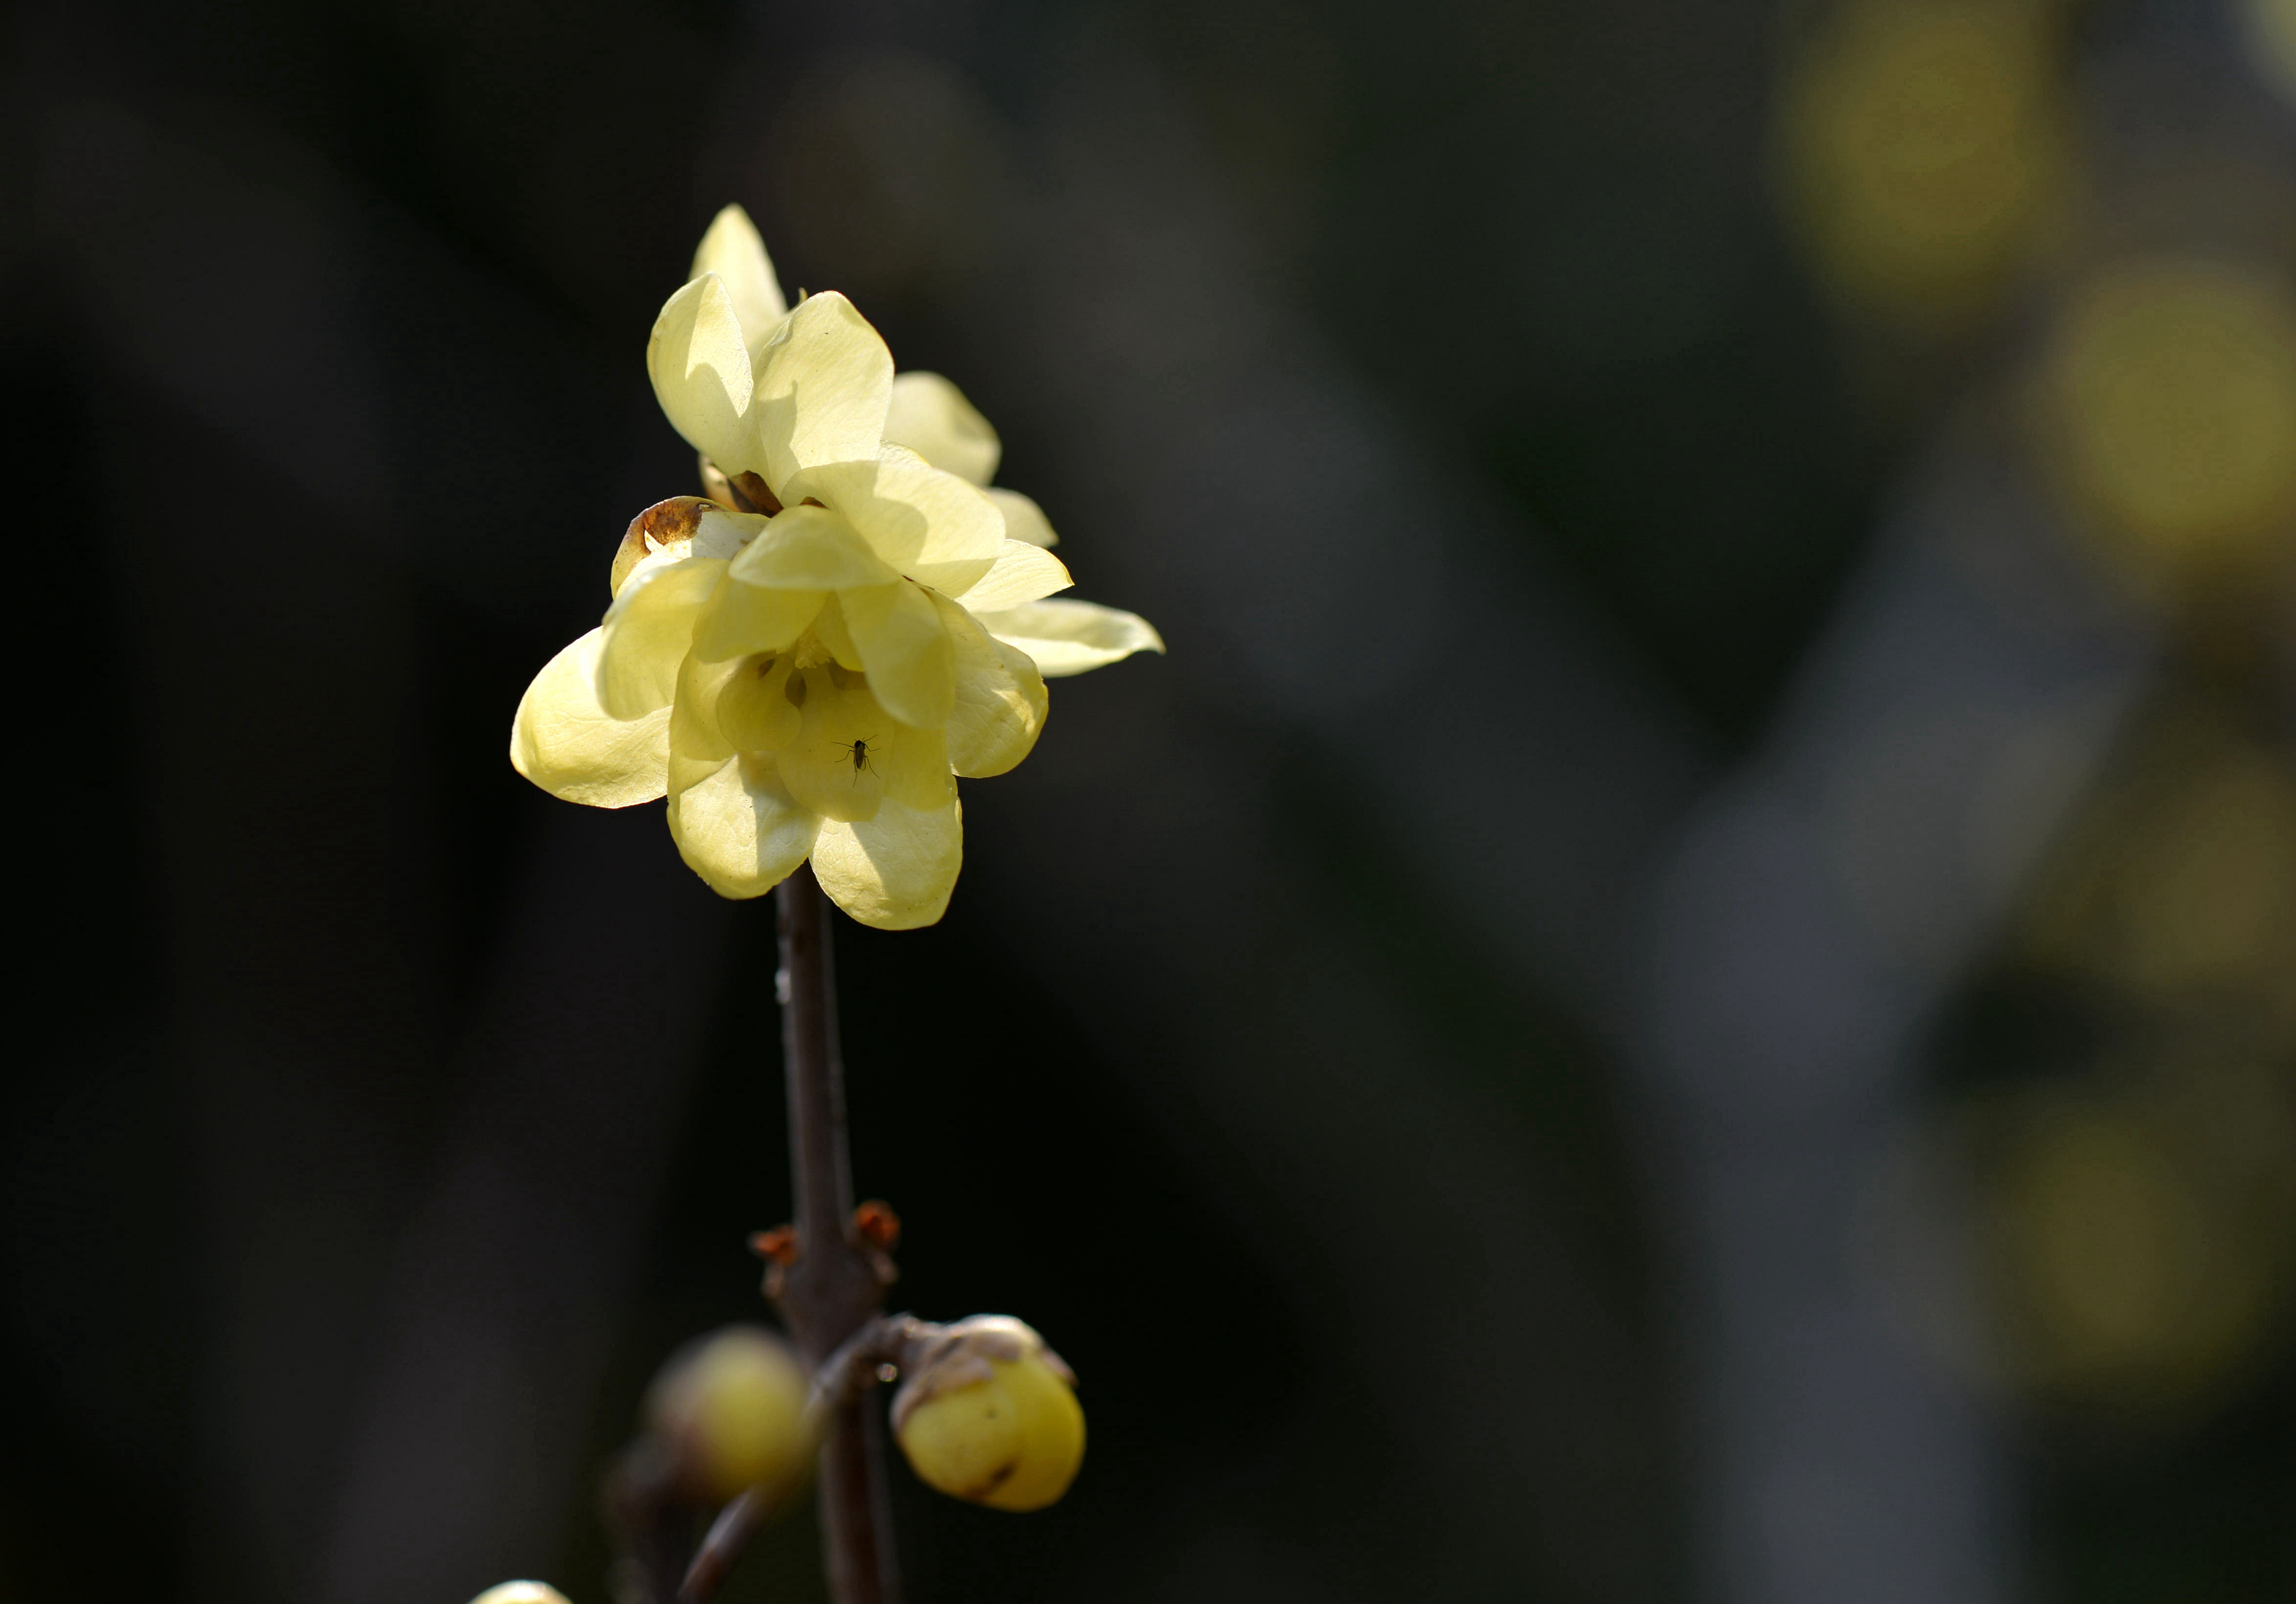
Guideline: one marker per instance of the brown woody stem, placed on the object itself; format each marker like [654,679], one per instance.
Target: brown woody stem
[833,1288]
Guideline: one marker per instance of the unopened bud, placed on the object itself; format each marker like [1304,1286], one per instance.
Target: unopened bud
[731,1405]
[520,1592]
[988,1414]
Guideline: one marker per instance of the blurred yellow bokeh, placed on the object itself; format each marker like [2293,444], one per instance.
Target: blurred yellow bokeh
[2211,897]
[2271,30]
[733,1406]
[2135,1206]
[1923,145]
[2168,394]
[2178,886]
[2116,1278]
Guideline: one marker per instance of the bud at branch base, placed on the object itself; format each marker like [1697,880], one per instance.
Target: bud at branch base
[988,1414]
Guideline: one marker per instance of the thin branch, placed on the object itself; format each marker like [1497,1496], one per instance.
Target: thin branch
[731,1534]
[835,1284]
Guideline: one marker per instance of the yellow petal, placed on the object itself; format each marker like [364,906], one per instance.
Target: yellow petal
[931,526]
[1000,698]
[904,648]
[647,632]
[567,744]
[1022,573]
[1024,520]
[732,250]
[829,629]
[723,533]
[850,756]
[931,417]
[1067,637]
[811,548]
[701,368]
[696,740]
[740,619]
[895,870]
[825,380]
[836,765]
[916,768]
[753,709]
[737,827]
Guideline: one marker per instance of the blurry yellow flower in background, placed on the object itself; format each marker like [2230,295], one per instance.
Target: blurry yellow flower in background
[805,672]
[2127,1195]
[2169,405]
[734,1410]
[1922,144]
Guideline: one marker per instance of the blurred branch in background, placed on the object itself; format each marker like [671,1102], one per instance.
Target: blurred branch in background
[2117,491]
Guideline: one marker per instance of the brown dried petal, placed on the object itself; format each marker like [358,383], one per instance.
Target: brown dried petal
[667,526]
[744,492]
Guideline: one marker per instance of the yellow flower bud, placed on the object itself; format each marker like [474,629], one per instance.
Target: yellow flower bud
[520,1592]
[988,1414]
[733,1405]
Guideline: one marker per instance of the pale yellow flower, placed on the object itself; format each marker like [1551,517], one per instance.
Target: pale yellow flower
[808,679]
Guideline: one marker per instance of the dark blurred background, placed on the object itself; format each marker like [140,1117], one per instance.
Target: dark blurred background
[1683,986]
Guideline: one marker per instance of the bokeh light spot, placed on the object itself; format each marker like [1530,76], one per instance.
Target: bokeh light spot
[1921,144]
[2170,397]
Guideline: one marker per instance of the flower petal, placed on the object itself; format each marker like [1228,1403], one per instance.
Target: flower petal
[738,828]
[811,548]
[1000,698]
[732,250]
[695,737]
[893,872]
[1024,520]
[570,747]
[932,526]
[702,375]
[850,757]
[825,380]
[1068,637]
[1022,573]
[904,650]
[739,619]
[930,416]
[752,708]
[823,767]
[916,768]
[648,631]
[829,629]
